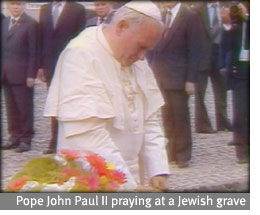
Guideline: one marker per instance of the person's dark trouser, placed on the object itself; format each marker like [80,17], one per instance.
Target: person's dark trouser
[241,117]
[176,122]
[202,121]
[54,128]
[54,134]
[19,106]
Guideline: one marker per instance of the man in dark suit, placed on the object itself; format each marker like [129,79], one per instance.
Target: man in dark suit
[104,12]
[211,30]
[2,16]
[60,21]
[19,51]
[174,62]
[235,63]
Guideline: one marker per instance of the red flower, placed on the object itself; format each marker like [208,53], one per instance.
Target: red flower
[69,154]
[17,185]
[118,176]
[88,182]
[97,162]
[93,182]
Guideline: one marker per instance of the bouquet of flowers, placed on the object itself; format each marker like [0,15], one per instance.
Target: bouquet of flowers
[67,171]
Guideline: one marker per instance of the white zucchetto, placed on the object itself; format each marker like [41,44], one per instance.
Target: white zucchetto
[146,7]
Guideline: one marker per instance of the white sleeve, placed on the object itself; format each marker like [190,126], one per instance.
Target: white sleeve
[76,91]
[91,135]
[153,154]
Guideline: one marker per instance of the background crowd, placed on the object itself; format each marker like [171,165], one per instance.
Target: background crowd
[201,40]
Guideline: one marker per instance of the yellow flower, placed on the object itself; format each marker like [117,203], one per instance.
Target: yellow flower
[110,166]
[103,179]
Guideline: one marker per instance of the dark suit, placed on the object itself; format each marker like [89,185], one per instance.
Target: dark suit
[53,40]
[174,62]
[94,20]
[2,16]
[208,67]
[19,51]
[238,80]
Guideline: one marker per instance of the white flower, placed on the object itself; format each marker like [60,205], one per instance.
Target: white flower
[83,164]
[51,188]
[66,187]
[60,159]
[29,186]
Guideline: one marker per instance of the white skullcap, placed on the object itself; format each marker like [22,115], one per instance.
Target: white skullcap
[146,7]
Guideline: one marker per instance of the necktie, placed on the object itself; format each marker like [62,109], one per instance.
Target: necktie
[167,17]
[55,14]
[13,23]
[101,20]
[164,14]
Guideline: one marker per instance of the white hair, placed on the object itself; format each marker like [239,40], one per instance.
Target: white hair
[133,17]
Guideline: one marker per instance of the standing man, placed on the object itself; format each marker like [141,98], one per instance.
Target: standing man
[104,12]
[235,62]
[174,63]
[60,21]
[106,99]
[19,43]
[211,30]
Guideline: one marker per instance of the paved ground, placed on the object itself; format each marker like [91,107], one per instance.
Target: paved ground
[213,166]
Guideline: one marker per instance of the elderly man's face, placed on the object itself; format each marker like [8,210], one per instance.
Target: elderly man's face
[134,42]
[102,8]
[15,7]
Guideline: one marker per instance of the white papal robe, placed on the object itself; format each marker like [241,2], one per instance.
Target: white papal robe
[107,109]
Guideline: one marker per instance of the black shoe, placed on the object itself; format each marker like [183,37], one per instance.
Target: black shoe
[224,129]
[49,151]
[207,131]
[183,164]
[231,143]
[10,145]
[242,160]
[23,147]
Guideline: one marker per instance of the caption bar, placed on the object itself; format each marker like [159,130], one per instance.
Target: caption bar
[125,201]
